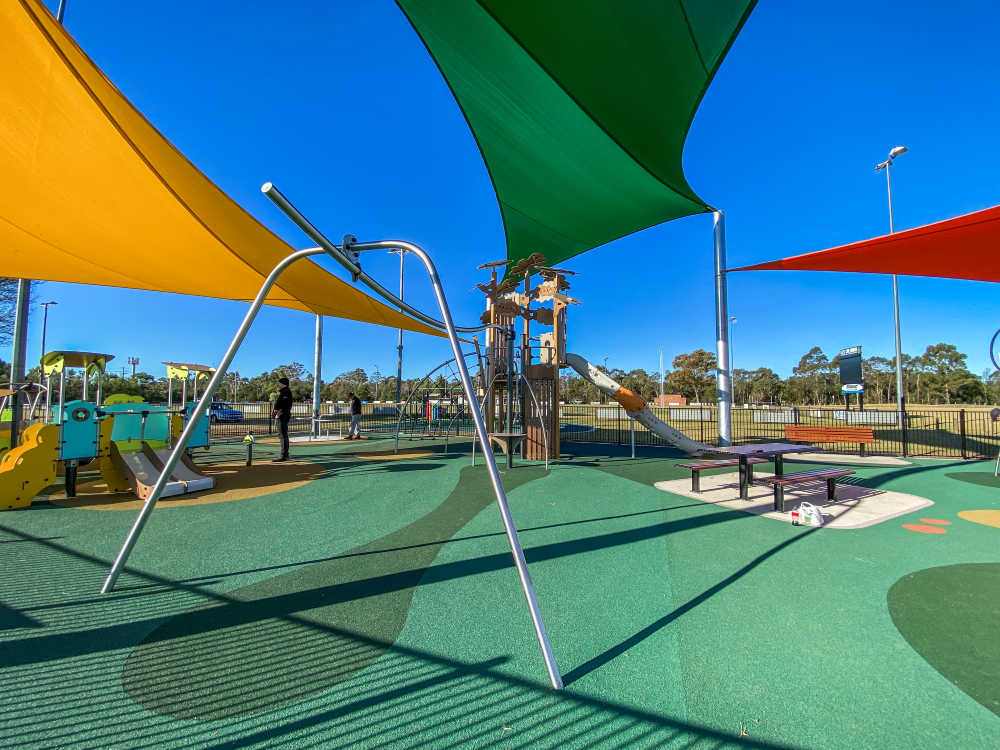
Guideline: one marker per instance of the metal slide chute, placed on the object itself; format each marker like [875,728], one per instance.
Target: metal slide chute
[636,407]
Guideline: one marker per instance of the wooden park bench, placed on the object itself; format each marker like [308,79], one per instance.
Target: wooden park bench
[699,466]
[805,477]
[806,434]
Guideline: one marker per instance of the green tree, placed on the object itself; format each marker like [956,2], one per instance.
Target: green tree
[693,375]
[947,366]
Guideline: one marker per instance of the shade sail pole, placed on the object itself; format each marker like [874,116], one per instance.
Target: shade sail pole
[317,377]
[722,330]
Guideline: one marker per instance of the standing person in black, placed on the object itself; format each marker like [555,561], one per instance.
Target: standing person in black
[283,413]
[355,432]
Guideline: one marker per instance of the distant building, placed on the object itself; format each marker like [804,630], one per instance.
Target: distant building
[668,399]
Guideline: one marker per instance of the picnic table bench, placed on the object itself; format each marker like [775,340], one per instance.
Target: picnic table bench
[805,477]
[699,466]
[811,434]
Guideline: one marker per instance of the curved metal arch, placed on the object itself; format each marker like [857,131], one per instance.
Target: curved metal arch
[402,410]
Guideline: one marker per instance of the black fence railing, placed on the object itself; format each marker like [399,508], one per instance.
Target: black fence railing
[952,433]
[967,433]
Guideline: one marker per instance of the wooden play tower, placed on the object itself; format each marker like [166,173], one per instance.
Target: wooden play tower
[513,409]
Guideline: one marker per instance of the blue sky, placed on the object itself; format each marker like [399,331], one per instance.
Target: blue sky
[339,105]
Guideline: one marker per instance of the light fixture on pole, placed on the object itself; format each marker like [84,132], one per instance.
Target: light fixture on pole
[900,394]
[45,321]
[134,361]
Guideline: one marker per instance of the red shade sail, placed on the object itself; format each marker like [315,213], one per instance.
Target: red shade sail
[966,247]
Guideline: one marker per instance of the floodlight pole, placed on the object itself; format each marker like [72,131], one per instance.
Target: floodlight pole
[317,377]
[900,394]
[722,374]
[399,346]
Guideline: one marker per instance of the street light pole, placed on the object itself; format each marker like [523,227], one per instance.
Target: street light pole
[45,321]
[900,393]
[399,346]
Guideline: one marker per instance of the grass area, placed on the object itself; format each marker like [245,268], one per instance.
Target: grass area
[378,607]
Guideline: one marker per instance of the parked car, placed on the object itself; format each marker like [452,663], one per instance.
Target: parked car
[220,412]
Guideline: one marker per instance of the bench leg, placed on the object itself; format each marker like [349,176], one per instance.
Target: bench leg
[862,446]
[749,473]
[831,490]
[695,480]
[779,498]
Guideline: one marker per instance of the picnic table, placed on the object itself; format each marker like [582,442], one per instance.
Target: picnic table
[760,450]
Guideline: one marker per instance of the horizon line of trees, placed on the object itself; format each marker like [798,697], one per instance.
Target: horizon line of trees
[936,377]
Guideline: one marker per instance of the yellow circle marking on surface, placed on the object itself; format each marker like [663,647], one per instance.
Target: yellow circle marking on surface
[985,517]
[233,481]
[389,455]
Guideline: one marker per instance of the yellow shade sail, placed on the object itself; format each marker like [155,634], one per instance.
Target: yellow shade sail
[91,193]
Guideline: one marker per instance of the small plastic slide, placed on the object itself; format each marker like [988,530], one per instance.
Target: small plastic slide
[140,470]
[636,407]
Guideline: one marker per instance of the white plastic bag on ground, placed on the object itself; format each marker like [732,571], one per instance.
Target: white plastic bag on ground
[807,514]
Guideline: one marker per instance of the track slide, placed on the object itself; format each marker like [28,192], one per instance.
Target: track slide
[636,407]
[143,467]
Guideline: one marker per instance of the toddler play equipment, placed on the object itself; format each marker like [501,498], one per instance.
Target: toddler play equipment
[67,432]
[139,446]
[636,407]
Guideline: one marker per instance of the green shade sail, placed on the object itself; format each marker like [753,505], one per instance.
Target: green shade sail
[580,107]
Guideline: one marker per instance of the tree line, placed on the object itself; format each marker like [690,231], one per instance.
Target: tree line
[938,376]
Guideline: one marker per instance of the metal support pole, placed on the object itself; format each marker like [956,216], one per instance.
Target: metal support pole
[337,252]
[509,413]
[722,331]
[317,377]
[399,346]
[17,363]
[633,436]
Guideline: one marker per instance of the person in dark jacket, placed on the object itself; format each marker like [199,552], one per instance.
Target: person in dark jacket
[355,432]
[283,413]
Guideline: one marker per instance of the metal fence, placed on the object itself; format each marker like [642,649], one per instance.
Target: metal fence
[928,433]
[956,433]
[419,420]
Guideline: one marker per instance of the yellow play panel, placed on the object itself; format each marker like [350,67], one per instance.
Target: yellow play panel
[233,481]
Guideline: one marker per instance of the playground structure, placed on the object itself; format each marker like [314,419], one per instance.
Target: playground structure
[521,391]
[124,438]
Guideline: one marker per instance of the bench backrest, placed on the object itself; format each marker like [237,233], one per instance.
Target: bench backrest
[830,434]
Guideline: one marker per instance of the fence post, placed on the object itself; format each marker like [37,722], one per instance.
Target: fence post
[701,425]
[619,418]
[961,429]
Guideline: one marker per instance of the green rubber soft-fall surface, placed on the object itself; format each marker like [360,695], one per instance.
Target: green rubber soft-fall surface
[378,607]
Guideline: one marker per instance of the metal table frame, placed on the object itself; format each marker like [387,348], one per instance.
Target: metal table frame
[772,450]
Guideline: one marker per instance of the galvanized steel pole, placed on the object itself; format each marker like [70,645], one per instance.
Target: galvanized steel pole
[317,377]
[722,331]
